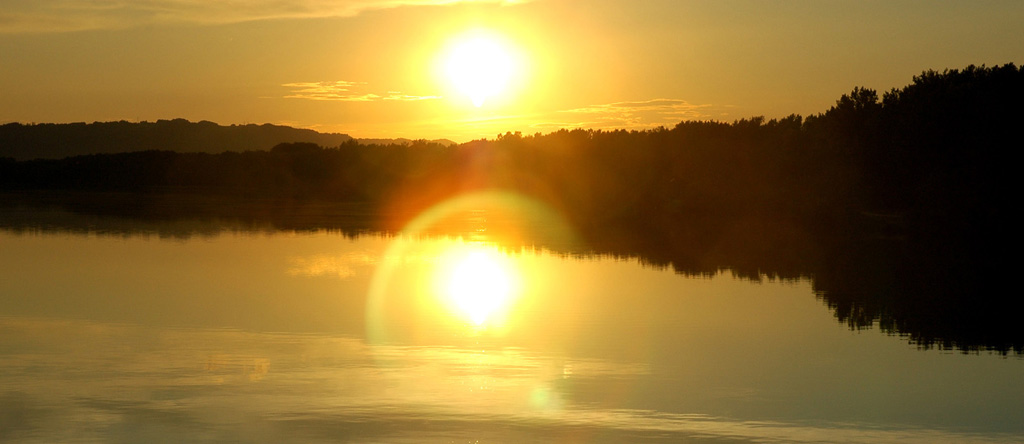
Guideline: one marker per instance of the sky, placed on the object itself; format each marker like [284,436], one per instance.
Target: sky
[465,70]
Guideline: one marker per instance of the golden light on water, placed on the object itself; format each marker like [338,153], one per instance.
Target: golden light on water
[477,282]
[426,287]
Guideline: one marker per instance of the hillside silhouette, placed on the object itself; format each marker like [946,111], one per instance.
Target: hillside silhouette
[894,204]
[59,140]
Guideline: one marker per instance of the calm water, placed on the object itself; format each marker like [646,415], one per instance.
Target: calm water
[244,335]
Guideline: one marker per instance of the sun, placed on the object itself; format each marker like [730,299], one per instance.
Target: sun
[481,65]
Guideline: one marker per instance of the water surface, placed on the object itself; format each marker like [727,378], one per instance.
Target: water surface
[262,335]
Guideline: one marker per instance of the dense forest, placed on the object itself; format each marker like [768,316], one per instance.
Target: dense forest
[927,164]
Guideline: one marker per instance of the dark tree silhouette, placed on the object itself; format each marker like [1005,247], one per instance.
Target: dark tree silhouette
[925,167]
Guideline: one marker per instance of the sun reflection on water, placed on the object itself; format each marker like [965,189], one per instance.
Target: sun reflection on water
[478,282]
[470,280]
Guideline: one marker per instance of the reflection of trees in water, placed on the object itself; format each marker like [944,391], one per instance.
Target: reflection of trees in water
[866,277]
[959,298]
[180,216]
[953,296]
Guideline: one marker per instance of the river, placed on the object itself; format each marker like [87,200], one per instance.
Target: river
[233,333]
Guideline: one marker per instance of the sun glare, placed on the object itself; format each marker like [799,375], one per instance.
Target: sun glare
[481,66]
[478,283]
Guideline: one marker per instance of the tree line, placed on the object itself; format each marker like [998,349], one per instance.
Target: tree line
[935,150]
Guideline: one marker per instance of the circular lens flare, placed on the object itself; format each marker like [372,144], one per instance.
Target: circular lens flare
[472,282]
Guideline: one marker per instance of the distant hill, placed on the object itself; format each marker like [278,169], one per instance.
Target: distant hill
[59,140]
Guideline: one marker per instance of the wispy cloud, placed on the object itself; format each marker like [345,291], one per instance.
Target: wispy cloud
[19,16]
[342,267]
[345,91]
[632,115]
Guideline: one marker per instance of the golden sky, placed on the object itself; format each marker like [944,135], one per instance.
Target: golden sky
[389,68]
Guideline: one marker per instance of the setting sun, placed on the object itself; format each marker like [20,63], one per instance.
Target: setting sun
[480,65]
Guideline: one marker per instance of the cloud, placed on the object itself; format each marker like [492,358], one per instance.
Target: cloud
[20,16]
[629,115]
[345,91]
[632,115]
[342,267]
